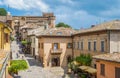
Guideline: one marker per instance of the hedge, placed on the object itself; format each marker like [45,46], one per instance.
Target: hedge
[17,65]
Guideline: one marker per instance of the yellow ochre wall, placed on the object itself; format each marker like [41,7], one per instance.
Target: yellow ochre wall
[3,44]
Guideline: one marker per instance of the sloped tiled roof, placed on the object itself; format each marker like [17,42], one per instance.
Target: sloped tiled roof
[35,31]
[30,26]
[61,31]
[109,57]
[112,25]
[3,18]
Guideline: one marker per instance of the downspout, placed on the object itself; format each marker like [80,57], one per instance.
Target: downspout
[109,41]
[72,47]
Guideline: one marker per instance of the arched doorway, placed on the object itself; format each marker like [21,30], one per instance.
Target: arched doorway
[55,61]
[69,59]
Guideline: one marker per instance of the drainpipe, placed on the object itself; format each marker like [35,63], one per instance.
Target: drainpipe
[109,41]
[72,47]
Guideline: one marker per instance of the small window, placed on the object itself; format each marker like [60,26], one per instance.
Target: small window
[78,45]
[102,67]
[69,45]
[59,33]
[50,33]
[102,46]
[89,46]
[75,45]
[56,46]
[95,66]
[117,72]
[6,37]
[38,45]
[81,45]
[94,45]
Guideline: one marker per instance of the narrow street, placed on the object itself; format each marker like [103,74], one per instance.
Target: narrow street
[35,70]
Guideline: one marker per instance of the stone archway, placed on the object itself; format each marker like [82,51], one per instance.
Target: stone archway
[55,61]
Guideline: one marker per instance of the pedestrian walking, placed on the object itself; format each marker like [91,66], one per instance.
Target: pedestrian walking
[17,55]
[22,57]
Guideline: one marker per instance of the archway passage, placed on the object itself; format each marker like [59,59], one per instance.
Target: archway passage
[55,61]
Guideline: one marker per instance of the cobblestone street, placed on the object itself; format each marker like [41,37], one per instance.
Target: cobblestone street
[34,70]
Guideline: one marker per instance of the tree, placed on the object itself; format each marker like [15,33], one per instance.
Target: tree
[84,59]
[61,24]
[16,66]
[3,12]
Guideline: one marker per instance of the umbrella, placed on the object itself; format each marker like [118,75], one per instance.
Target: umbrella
[83,67]
[88,69]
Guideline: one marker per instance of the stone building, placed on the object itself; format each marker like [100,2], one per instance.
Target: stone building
[108,65]
[19,21]
[55,46]
[31,37]
[5,31]
[99,39]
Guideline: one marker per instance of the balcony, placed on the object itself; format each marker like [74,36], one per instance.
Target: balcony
[56,51]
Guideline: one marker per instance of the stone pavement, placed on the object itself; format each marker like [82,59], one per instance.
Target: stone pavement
[16,51]
[35,70]
[56,70]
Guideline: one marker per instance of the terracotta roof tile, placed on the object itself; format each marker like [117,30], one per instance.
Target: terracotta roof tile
[109,57]
[57,32]
[112,25]
[3,18]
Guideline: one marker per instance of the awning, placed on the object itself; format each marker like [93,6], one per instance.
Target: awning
[88,69]
[91,70]
[83,67]
[76,63]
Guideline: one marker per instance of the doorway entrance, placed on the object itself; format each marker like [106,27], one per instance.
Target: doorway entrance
[69,59]
[55,61]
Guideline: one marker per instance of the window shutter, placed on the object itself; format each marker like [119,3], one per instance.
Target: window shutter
[52,45]
[117,72]
[58,45]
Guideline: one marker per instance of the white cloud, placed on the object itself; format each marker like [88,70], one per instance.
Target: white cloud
[77,19]
[111,12]
[0,3]
[68,1]
[27,4]
[63,13]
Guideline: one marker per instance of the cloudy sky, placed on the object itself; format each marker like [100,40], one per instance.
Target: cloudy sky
[77,13]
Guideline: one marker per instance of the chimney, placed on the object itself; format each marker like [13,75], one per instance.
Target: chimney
[92,26]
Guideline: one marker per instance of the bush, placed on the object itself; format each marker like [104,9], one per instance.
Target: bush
[17,65]
[84,59]
[24,42]
[83,76]
[12,38]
